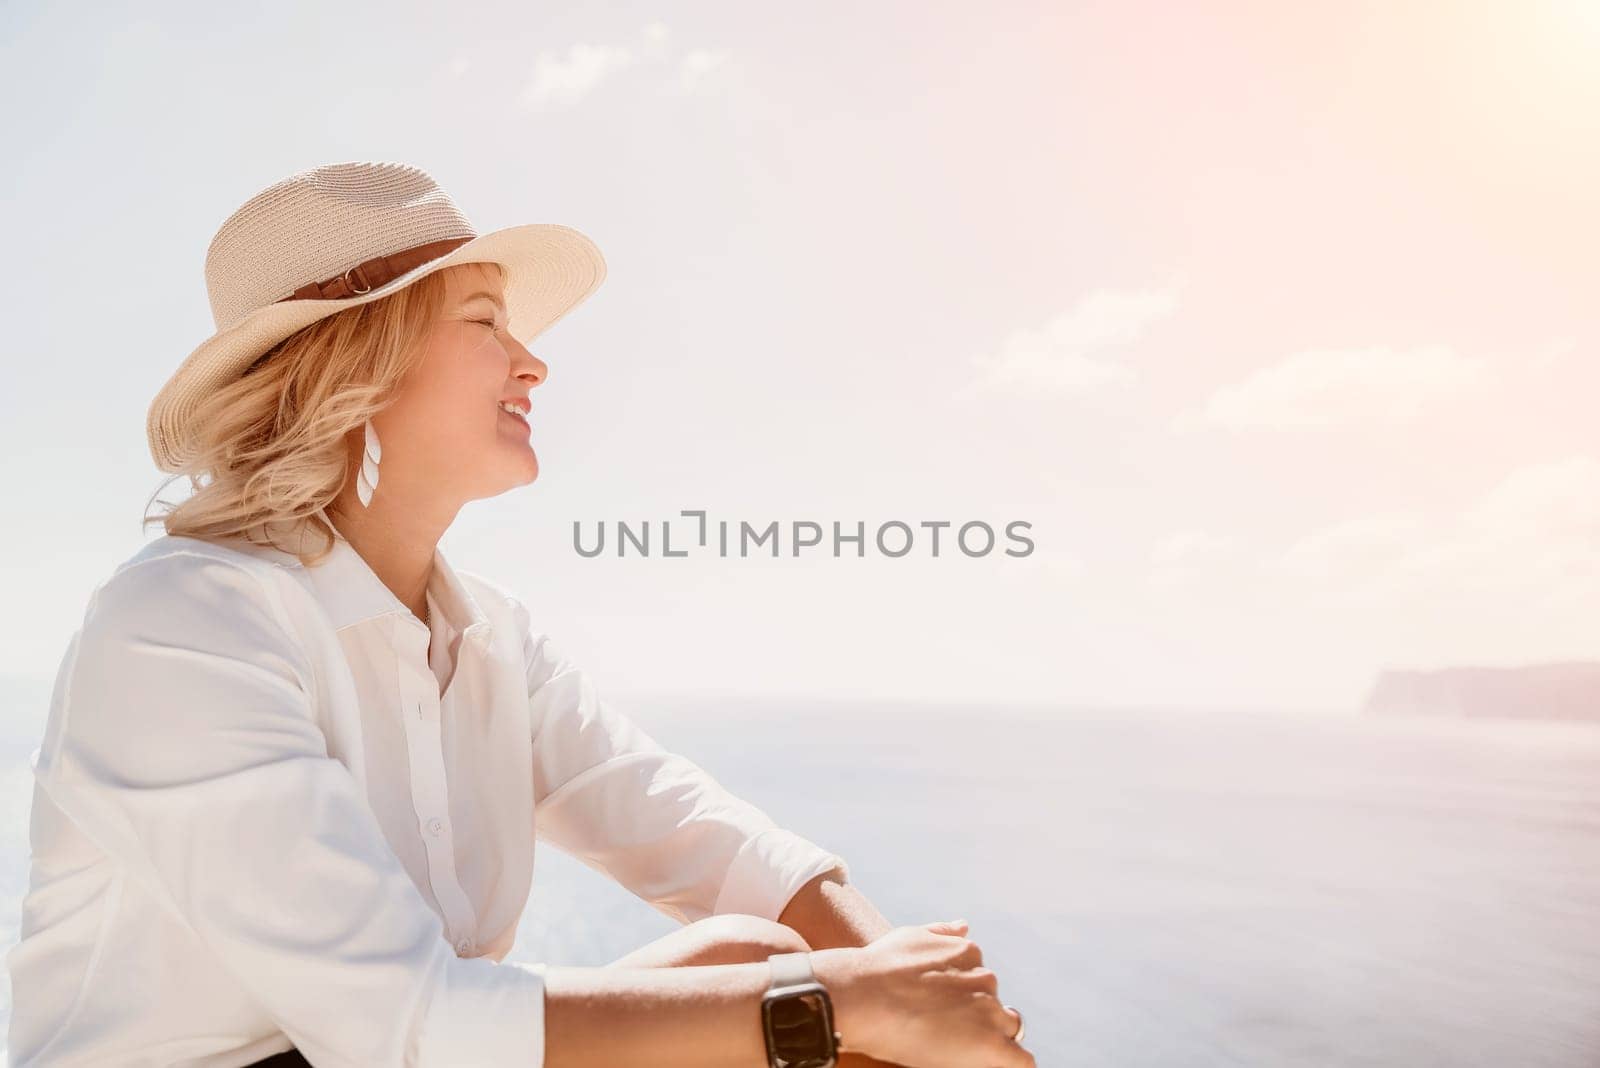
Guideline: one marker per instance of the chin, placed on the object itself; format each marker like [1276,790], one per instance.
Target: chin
[518,456]
[508,483]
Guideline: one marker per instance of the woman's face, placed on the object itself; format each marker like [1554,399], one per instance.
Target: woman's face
[446,431]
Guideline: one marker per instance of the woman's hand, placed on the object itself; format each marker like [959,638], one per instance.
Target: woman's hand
[920,996]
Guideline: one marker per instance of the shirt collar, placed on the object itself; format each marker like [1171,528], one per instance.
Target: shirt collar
[352,593]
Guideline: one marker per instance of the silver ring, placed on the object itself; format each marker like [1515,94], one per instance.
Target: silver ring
[1021,1024]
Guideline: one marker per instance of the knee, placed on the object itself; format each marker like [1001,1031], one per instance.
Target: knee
[738,938]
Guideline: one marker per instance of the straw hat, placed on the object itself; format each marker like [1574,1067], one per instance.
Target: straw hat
[343,234]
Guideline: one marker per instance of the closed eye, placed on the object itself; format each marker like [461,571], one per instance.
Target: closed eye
[486,322]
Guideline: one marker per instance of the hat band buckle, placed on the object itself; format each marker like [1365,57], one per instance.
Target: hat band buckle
[366,286]
[377,271]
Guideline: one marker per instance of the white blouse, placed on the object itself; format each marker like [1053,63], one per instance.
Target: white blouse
[271,806]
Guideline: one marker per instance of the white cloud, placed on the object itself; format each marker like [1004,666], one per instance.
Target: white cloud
[698,66]
[1068,352]
[1559,499]
[563,79]
[1320,388]
[1535,535]
[1510,576]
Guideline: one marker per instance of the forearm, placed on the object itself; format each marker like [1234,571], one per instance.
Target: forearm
[828,913]
[700,1016]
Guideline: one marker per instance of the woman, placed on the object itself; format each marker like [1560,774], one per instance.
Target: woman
[296,763]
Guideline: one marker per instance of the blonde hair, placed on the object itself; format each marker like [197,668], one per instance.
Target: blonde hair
[271,450]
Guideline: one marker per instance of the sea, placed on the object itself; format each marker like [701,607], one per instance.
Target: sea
[1152,887]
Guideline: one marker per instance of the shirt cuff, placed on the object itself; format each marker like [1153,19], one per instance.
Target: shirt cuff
[486,1013]
[770,869]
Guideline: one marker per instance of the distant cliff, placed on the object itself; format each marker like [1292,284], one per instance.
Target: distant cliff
[1568,690]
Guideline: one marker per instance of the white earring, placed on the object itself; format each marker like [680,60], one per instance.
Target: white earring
[367,477]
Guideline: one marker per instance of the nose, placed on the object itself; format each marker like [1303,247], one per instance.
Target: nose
[526,366]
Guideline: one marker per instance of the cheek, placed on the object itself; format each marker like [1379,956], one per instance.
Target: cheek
[457,390]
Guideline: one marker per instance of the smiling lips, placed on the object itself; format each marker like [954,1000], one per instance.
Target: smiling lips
[515,410]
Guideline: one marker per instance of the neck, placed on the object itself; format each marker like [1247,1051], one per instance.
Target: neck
[396,541]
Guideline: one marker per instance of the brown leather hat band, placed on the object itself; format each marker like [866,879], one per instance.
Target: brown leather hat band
[370,274]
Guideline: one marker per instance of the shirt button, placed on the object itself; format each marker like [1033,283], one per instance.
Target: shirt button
[436,826]
[464,947]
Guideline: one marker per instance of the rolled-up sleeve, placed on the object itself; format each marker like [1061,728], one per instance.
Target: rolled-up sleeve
[657,823]
[189,751]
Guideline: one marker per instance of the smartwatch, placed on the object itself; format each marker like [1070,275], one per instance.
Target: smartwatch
[797,1016]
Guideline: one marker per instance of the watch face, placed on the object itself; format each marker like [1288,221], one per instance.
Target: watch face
[800,1030]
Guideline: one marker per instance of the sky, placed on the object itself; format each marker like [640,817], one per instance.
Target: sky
[1276,323]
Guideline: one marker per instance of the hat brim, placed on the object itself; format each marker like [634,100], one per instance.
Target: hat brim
[550,269]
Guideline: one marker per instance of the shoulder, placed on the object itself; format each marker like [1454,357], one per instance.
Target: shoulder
[236,551]
[507,610]
[196,560]
[494,598]
[175,578]
[482,587]
[180,645]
